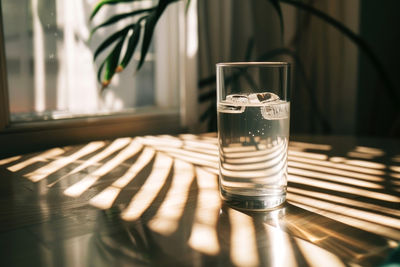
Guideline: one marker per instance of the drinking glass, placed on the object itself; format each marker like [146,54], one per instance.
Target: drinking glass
[253,133]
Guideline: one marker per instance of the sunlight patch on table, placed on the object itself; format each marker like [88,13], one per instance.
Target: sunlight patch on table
[343,166]
[43,157]
[355,154]
[280,246]
[395,175]
[161,141]
[307,155]
[343,200]
[342,188]
[347,211]
[203,237]
[105,198]
[167,218]
[150,189]
[355,222]
[80,187]
[370,150]
[58,164]
[395,168]
[298,169]
[243,244]
[9,160]
[396,158]
[113,147]
[366,164]
[316,256]
[305,145]
[144,159]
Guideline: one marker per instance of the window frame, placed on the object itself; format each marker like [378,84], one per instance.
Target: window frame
[16,138]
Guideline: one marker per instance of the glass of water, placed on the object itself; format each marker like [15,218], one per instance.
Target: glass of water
[253,133]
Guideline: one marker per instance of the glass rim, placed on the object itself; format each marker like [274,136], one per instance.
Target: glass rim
[254,63]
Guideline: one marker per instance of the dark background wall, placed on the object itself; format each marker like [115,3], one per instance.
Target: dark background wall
[378,108]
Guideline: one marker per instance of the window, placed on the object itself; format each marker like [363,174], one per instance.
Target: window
[52,95]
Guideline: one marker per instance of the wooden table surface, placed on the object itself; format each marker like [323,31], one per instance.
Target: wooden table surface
[154,200]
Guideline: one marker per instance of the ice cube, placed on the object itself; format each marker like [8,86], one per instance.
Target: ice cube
[267,97]
[226,108]
[276,110]
[253,99]
[262,97]
[237,99]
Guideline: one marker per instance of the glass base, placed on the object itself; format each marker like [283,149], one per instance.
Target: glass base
[253,203]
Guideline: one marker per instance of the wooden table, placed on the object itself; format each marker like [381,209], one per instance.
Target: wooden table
[154,200]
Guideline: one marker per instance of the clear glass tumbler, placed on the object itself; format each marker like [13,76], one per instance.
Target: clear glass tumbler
[253,133]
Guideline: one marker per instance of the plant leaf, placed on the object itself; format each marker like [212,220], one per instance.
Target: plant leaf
[203,97]
[121,16]
[149,27]
[132,43]
[209,112]
[277,6]
[187,6]
[106,2]
[100,71]
[111,62]
[391,91]
[207,81]
[111,39]
[148,34]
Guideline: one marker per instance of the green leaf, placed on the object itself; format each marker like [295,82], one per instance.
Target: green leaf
[100,71]
[149,27]
[111,39]
[187,6]
[132,43]
[277,6]
[111,62]
[391,91]
[106,2]
[148,34]
[120,17]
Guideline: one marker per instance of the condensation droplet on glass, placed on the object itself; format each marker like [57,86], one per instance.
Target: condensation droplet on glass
[52,14]
[51,56]
[55,34]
